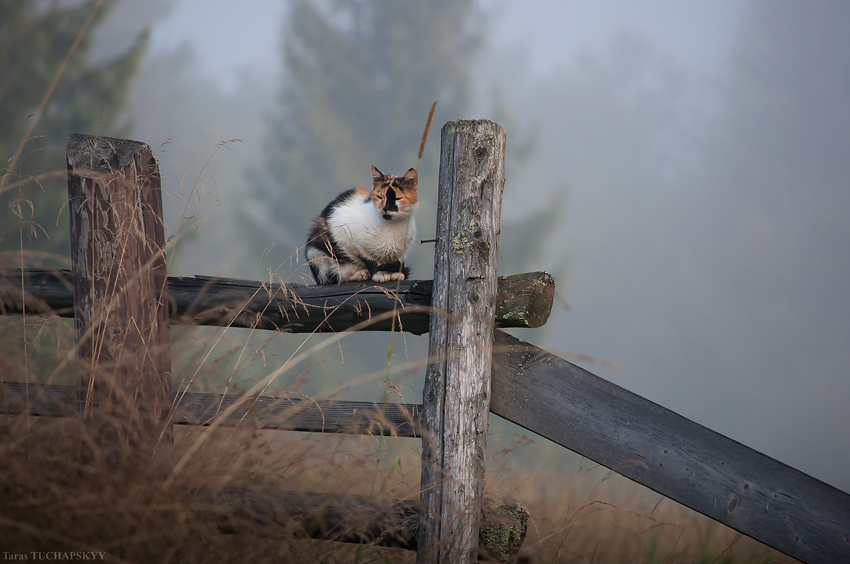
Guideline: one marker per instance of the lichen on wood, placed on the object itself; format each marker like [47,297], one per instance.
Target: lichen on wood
[503,530]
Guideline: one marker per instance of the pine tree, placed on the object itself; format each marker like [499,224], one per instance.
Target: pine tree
[360,77]
[34,40]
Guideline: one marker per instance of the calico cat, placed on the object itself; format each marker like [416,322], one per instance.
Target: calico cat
[363,234]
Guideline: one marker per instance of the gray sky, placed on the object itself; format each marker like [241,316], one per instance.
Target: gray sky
[704,243]
[228,38]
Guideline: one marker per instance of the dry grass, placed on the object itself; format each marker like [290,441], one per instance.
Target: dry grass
[60,496]
[583,512]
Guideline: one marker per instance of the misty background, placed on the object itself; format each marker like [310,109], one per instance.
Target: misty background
[681,168]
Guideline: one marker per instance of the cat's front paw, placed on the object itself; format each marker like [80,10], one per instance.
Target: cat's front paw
[383,276]
[359,276]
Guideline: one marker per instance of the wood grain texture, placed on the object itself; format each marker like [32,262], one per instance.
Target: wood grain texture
[682,460]
[337,517]
[524,300]
[119,281]
[296,413]
[457,382]
[351,518]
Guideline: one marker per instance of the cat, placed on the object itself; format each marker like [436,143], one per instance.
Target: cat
[362,234]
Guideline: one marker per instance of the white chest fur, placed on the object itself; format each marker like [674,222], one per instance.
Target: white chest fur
[361,231]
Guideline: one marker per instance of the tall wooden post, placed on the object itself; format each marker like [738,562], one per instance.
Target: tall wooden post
[457,386]
[120,292]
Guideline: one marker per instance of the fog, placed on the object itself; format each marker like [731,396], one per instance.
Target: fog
[698,153]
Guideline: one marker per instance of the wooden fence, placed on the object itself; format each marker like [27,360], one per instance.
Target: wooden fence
[688,463]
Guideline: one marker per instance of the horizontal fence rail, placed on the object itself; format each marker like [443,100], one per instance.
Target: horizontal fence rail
[353,518]
[337,517]
[265,412]
[523,300]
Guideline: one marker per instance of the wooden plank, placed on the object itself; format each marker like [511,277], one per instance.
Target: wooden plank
[682,460]
[17,398]
[299,414]
[457,383]
[337,517]
[265,412]
[353,518]
[524,300]
[119,280]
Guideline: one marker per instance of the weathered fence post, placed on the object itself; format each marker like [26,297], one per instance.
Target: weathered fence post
[457,385]
[120,293]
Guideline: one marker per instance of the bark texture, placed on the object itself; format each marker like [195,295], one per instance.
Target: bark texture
[457,387]
[120,293]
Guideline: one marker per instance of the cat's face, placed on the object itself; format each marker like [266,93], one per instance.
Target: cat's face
[394,196]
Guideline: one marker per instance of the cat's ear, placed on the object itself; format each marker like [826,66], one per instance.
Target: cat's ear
[411,177]
[377,175]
